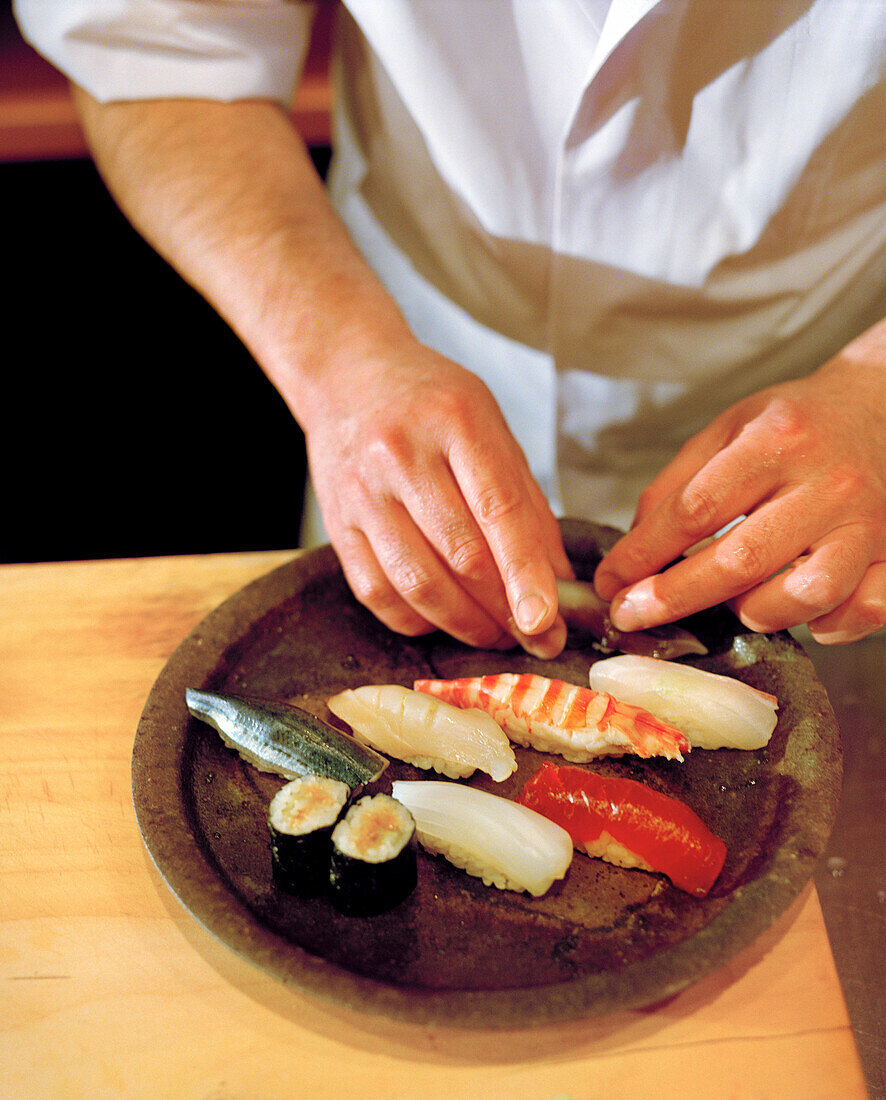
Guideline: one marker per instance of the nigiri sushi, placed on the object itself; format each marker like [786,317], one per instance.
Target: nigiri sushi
[503,843]
[629,824]
[553,716]
[713,711]
[285,740]
[426,732]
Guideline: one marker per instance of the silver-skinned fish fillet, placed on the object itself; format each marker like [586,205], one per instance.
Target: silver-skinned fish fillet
[283,739]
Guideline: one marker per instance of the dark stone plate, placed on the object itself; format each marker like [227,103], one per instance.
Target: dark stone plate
[458,952]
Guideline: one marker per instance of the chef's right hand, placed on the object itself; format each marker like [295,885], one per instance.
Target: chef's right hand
[424,492]
[430,505]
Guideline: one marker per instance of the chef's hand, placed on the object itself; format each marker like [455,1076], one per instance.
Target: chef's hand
[431,507]
[805,463]
[424,492]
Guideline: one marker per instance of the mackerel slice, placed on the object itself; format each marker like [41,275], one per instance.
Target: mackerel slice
[284,739]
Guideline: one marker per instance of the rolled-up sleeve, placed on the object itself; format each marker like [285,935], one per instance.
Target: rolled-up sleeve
[147,49]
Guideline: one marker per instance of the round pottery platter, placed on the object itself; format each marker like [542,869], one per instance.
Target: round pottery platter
[456,951]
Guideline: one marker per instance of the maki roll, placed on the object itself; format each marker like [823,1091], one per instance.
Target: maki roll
[301,817]
[373,862]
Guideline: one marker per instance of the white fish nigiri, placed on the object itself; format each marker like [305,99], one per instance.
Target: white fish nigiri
[503,843]
[425,731]
[713,711]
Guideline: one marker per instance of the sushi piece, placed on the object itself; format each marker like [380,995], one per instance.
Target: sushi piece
[713,711]
[553,716]
[283,739]
[587,616]
[301,818]
[629,824]
[425,731]
[373,863]
[490,837]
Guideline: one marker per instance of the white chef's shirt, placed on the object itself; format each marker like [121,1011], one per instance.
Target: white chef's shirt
[624,215]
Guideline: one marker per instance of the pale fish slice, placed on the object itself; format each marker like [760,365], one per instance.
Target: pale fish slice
[425,731]
[714,711]
[501,842]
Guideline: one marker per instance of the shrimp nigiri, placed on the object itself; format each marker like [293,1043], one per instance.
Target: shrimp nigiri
[503,843]
[629,824]
[553,716]
[713,711]
[424,731]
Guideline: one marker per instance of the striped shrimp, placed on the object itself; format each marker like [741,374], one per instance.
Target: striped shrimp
[552,716]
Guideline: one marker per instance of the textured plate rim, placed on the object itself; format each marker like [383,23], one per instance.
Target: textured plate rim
[165,828]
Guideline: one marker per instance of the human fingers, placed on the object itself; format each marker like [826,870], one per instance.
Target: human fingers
[396,577]
[549,642]
[740,561]
[862,614]
[518,531]
[728,484]
[549,530]
[417,474]
[812,585]
[395,573]
[449,527]
[695,453]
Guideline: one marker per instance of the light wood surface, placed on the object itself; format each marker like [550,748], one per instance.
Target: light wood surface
[110,988]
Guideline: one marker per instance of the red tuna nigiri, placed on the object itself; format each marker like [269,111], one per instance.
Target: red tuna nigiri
[628,823]
[553,716]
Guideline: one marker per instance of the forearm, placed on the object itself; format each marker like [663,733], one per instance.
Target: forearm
[425,494]
[229,196]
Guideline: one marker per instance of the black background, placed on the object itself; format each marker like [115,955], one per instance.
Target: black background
[134,422]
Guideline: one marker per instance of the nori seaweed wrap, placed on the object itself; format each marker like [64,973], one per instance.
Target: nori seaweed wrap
[301,818]
[373,862]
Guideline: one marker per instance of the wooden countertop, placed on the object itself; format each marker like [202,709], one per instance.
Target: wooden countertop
[110,988]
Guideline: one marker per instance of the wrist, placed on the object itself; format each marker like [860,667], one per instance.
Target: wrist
[322,345]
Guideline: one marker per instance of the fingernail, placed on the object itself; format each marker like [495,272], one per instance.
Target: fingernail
[530,612]
[628,613]
[545,646]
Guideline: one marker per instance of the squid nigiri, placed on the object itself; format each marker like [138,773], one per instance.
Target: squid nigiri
[713,711]
[553,716]
[426,732]
[629,824]
[503,843]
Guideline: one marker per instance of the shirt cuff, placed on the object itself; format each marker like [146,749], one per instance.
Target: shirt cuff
[161,49]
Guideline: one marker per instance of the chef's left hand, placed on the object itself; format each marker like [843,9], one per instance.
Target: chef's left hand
[805,463]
